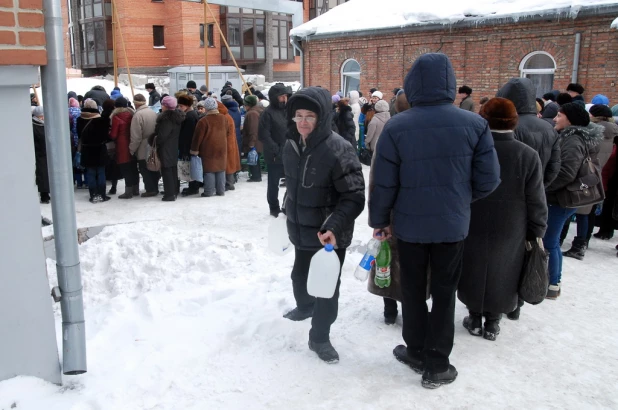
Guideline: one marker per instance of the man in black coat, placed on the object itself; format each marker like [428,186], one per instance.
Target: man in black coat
[154,96]
[98,94]
[325,194]
[272,134]
[192,87]
[235,94]
[531,130]
[427,172]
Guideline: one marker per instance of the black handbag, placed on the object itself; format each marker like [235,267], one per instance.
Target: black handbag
[534,280]
[365,156]
[587,189]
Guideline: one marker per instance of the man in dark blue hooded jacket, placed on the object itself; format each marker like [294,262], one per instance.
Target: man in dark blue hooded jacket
[432,161]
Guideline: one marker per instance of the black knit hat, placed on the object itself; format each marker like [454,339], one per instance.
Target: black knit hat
[577,88]
[121,102]
[564,98]
[191,84]
[601,110]
[576,114]
[549,97]
[464,89]
[304,104]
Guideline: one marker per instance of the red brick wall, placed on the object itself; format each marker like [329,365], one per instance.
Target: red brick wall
[22,40]
[484,58]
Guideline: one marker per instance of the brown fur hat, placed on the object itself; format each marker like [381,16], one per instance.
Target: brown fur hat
[500,113]
[185,100]
[401,103]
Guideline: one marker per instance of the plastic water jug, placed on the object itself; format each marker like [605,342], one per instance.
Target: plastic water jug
[323,273]
[252,157]
[278,239]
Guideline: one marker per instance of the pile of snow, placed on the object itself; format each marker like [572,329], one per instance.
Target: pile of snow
[183,311]
[354,16]
[614,23]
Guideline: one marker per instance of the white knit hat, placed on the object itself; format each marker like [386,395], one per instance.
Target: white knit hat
[210,104]
[377,94]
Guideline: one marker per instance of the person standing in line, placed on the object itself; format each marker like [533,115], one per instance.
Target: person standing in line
[500,225]
[577,140]
[210,143]
[232,158]
[112,170]
[377,123]
[250,133]
[344,121]
[98,94]
[234,110]
[465,93]
[79,175]
[426,180]
[192,87]
[576,90]
[40,153]
[356,110]
[272,134]
[142,128]
[187,129]
[167,133]
[93,132]
[120,133]
[391,109]
[326,193]
[153,95]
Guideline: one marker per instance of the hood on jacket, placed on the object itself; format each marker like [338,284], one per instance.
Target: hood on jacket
[431,80]
[383,116]
[522,93]
[115,94]
[322,99]
[98,88]
[354,97]
[231,106]
[277,90]
[175,116]
[592,134]
[122,112]
[550,111]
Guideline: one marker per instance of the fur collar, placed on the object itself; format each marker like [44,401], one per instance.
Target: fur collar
[591,134]
[120,110]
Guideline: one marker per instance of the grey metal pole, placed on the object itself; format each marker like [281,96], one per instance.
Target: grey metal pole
[296,43]
[53,78]
[578,44]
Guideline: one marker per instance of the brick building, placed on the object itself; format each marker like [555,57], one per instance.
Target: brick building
[160,34]
[485,51]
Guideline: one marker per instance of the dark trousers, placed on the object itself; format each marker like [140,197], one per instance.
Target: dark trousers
[275,173]
[606,221]
[390,307]
[430,334]
[96,181]
[324,310]
[255,172]
[150,178]
[129,172]
[170,181]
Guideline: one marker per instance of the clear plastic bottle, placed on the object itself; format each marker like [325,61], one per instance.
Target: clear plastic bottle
[383,266]
[323,273]
[364,267]
[252,157]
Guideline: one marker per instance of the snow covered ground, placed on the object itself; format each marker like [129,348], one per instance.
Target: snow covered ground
[183,311]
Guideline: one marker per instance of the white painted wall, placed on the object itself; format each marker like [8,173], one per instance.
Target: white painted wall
[28,343]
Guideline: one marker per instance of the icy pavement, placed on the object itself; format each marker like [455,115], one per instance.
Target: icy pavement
[183,311]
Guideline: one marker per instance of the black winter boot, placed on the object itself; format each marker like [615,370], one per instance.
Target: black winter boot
[435,380]
[298,315]
[474,323]
[415,360]
[492,328]
[578,249]
[325,351]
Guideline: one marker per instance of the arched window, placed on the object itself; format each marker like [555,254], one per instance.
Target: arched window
[350,76]
[539,67]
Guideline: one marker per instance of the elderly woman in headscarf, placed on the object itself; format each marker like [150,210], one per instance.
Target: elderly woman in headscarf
[40,153]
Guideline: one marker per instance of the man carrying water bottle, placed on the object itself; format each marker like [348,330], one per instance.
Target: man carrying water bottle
[325,194]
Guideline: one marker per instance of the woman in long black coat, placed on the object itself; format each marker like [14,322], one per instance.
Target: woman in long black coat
[344,121]
[93,133]
[40,154]
[500,224]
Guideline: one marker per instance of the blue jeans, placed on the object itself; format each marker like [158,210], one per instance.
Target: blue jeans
[556,219]
[96,181]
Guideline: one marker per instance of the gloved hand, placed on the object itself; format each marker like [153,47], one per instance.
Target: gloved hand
[599,209]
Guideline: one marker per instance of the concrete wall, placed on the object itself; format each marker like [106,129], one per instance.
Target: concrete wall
[28,343]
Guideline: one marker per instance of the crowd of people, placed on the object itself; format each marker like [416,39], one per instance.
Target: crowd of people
[458,199]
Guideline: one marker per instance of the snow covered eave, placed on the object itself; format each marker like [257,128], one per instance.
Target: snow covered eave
[551,14]
[614,23]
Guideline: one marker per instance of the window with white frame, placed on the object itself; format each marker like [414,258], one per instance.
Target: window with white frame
[539,67]
[350,76]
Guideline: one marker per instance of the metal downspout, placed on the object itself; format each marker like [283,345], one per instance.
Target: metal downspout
[296,43]
[53,79]
[578,44]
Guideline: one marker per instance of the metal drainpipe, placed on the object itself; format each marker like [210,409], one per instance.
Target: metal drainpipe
[296,43]
[578,44]
[53,78]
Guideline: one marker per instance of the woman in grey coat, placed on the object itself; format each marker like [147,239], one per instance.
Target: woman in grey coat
[500,224]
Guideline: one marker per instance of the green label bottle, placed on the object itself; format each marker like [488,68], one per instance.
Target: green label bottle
[383,266]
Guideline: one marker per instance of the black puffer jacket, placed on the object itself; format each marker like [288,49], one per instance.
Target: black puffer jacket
[532,130]
[576,142]
[186,134]
[167,132]
[235,94]
[273,126]
[98,94]
[344,120]
[325,184]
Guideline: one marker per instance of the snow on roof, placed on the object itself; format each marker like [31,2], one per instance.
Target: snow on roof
[361,15]
[614,23]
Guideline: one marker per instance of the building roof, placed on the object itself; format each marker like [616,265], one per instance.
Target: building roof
[367,15]
[200,69]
